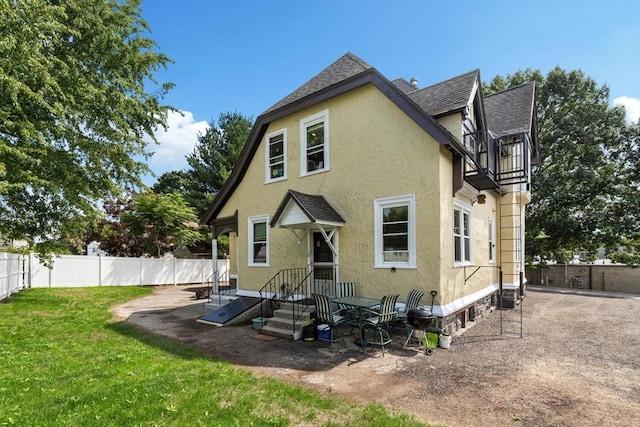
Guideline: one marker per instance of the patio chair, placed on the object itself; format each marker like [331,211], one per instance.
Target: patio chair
[413,299]
[324,314]
[347,289]
[381,320]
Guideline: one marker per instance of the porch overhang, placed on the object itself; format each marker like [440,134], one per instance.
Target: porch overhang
[305,211]
[225,225]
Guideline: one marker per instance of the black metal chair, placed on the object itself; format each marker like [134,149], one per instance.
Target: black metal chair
[381,320]
[324,314]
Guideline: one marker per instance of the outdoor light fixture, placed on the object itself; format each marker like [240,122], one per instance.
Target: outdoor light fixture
[481,199]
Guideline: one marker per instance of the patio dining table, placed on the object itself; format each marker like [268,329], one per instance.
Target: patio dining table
[361,306]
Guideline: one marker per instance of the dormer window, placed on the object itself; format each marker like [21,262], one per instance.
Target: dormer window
[314,143]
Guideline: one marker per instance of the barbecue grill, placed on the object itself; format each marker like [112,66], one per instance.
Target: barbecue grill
[419,319]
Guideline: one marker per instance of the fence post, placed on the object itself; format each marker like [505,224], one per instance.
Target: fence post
[174,270]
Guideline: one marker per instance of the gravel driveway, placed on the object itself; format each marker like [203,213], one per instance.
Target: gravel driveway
[578,363]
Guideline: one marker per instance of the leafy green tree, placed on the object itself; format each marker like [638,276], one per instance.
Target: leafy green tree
[114,235]
[173,182]
[77,96]
[585,190]
[215,155]
[165,219]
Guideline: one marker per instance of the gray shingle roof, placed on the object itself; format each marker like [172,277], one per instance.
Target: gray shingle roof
[346,66]
[447,96]
[404,85]
[511,110]
[421,105]
[317,209]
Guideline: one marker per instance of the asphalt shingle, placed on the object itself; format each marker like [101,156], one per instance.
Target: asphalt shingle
[447,96]
[511,110]
[346,66]
[316,207]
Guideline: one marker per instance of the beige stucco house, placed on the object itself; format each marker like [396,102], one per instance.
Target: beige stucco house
[356,178]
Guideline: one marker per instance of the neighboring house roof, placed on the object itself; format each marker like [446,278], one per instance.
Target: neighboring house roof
[447,96]
[510,111]
[316,208]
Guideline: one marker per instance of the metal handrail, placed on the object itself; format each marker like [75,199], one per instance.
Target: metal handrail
[288,285]
[215,279]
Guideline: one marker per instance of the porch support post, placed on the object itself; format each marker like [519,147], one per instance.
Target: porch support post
[214,265]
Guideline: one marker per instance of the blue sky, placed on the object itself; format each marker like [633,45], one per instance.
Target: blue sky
[246,55]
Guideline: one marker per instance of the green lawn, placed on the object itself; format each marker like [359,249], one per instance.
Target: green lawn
[64,361]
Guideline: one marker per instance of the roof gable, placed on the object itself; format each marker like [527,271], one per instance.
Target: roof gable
[347,73]
[299,209]
[511,110]
[345,67]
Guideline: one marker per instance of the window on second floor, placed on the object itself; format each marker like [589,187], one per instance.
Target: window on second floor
[276,156]
[314,143]
[462,242]
[258,236]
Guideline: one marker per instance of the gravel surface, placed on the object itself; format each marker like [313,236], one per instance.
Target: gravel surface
[577,364]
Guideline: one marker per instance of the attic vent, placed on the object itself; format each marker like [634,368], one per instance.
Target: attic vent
[414,82]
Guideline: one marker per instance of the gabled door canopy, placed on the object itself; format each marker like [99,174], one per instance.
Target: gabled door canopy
[305,211]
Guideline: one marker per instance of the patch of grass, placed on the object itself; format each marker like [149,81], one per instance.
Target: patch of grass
[66,362]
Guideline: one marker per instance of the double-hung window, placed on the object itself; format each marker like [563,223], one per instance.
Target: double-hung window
[258,240]
[462,243]
[276,154]
[394,234]
[314,143]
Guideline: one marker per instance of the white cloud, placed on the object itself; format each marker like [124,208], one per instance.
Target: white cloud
[175,142]
[631,106]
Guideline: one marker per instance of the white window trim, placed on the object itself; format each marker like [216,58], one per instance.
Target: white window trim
[464,208]
[492,240]
[322,116]
[250,222]
[378,206]
[267,168]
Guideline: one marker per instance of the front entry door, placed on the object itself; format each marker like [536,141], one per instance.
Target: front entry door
[323,264]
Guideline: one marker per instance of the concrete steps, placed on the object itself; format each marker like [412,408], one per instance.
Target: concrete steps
[280,325]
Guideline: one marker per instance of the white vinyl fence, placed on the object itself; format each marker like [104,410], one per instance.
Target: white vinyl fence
[12,274]
[17,272]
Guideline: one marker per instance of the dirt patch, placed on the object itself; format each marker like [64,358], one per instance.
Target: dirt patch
[577,363]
